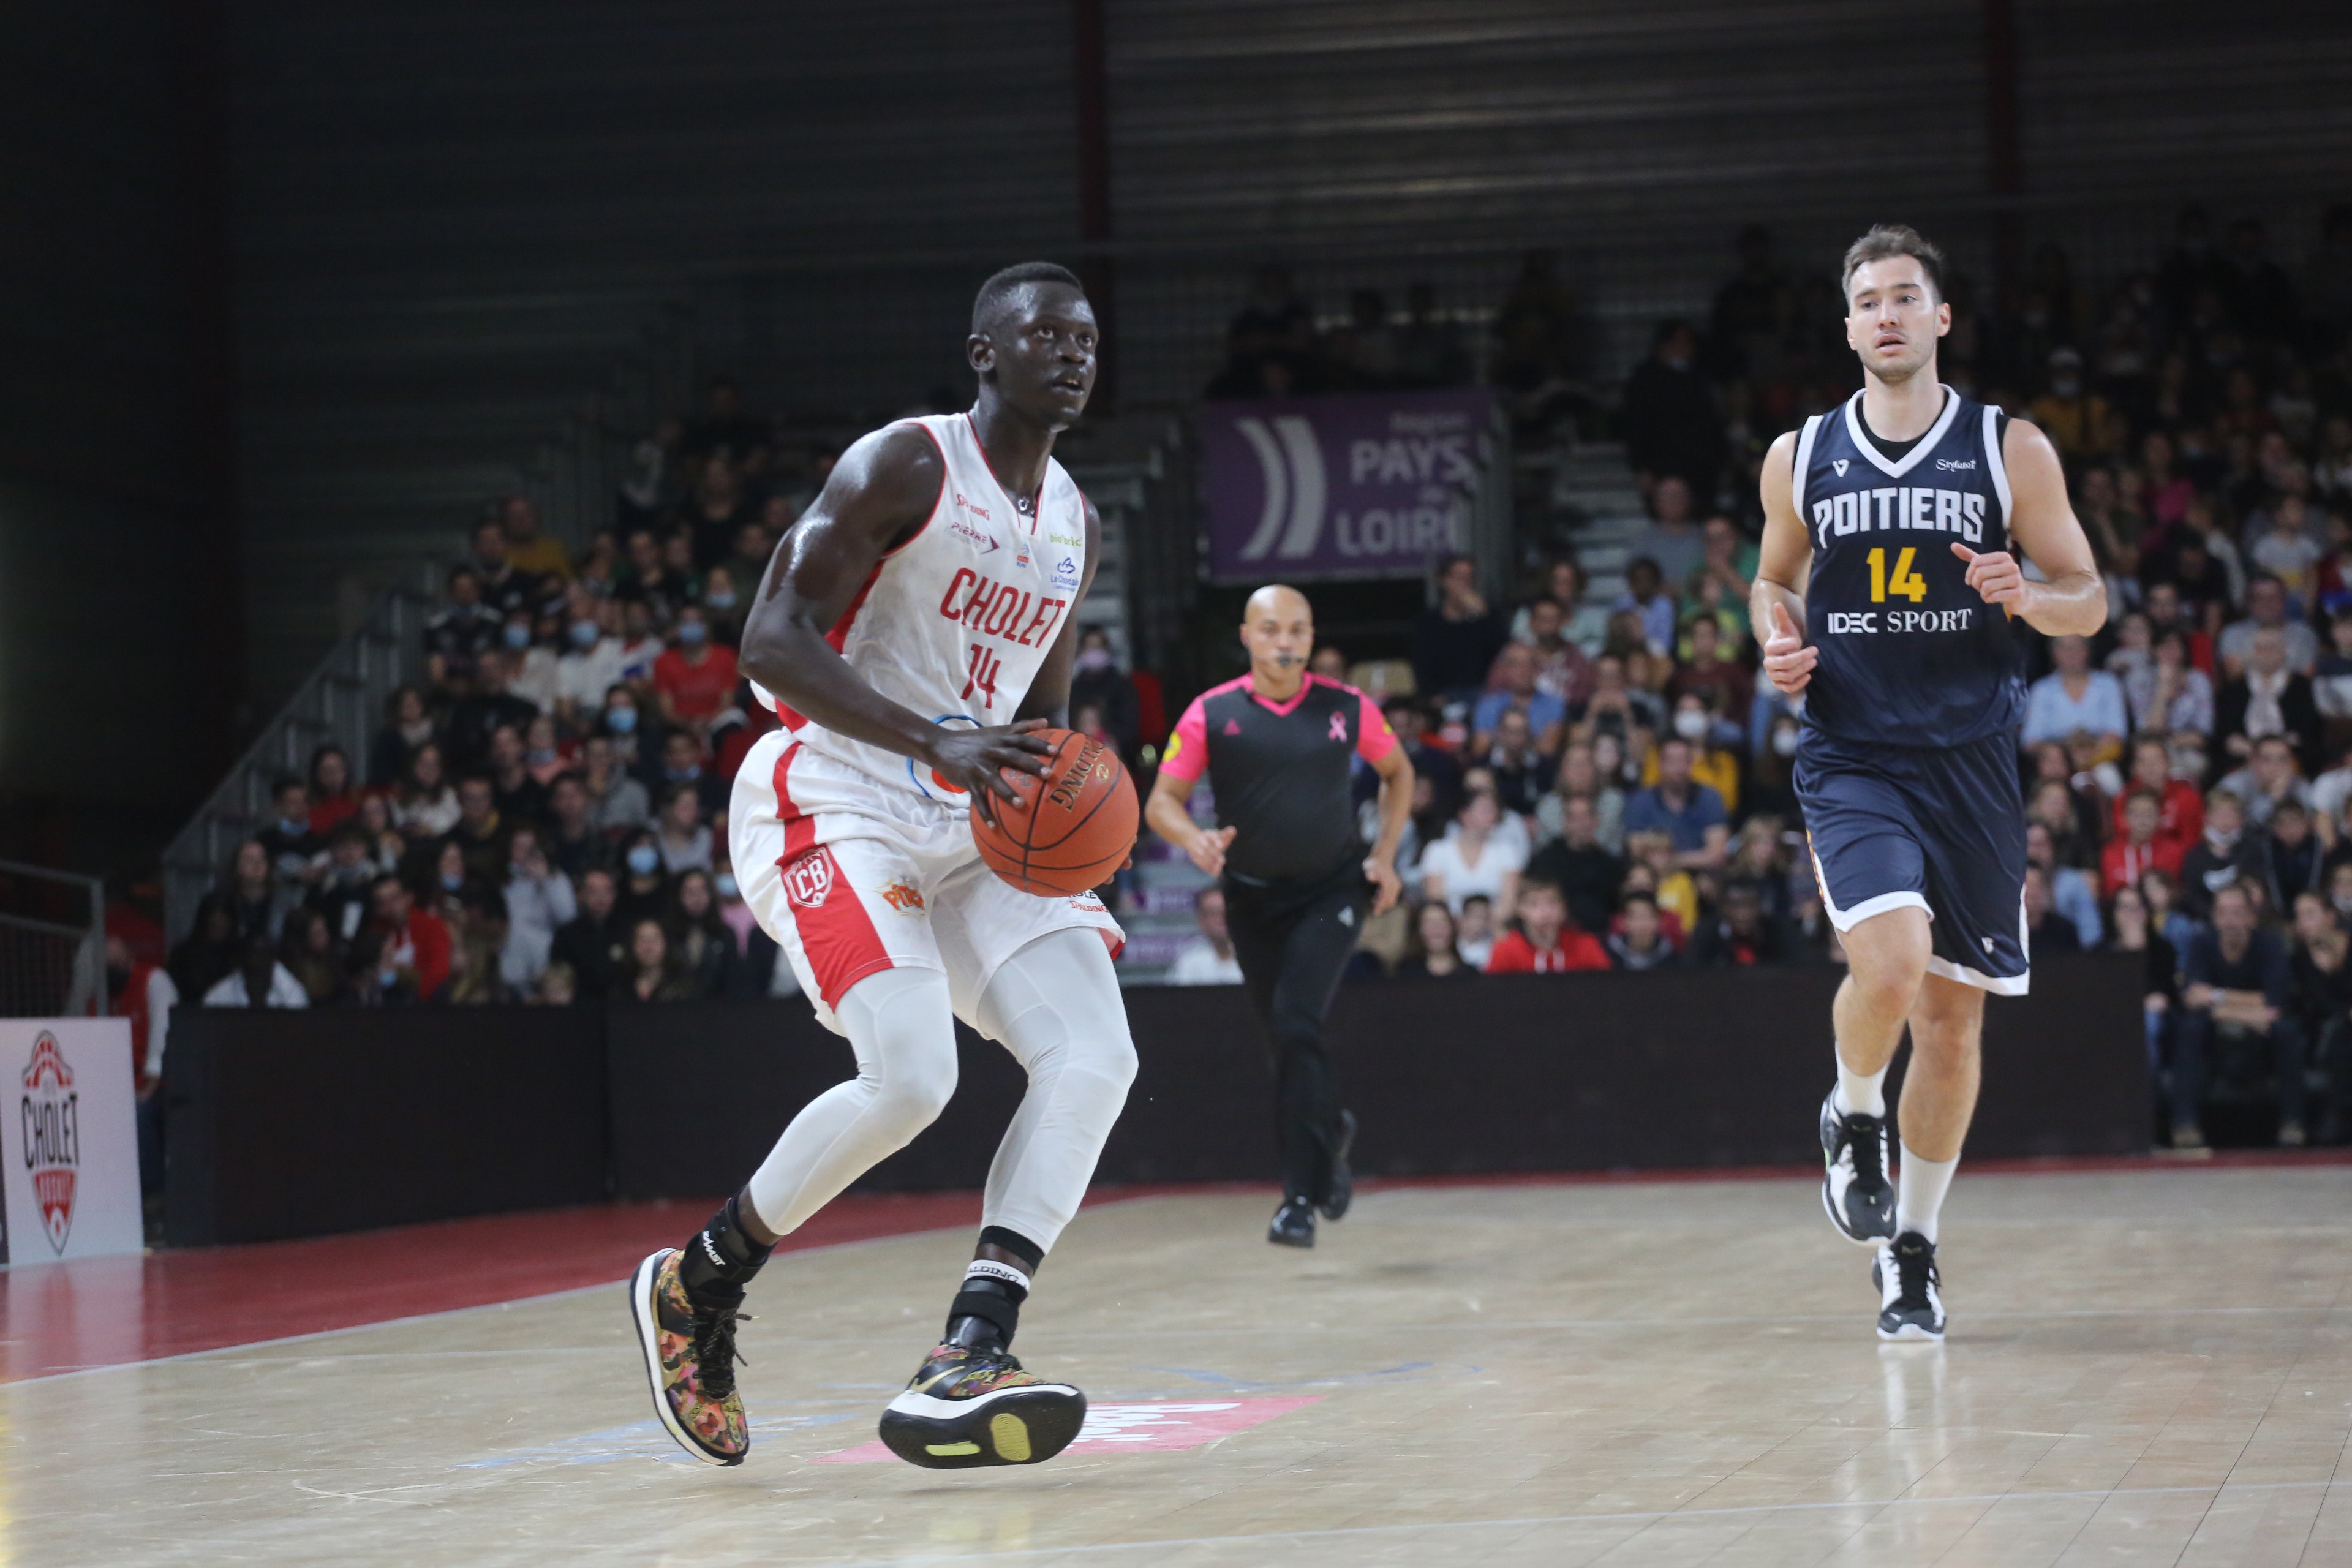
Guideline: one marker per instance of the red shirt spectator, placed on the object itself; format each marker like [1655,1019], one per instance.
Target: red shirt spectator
[1545,943]
[694,689]
[143,993]
[416,940]
[332,799]
[696,679]
[1514,954]
[2140,847]
[2181,815]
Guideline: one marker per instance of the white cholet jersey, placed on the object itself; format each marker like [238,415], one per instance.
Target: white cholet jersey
[954,623]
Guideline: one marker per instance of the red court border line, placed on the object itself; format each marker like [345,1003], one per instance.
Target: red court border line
[62,1318]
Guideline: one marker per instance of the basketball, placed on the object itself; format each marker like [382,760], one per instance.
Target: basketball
[1071,828]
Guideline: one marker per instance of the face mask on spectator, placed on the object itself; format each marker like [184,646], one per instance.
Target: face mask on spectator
[1690,726]
[539,756]
[386,979]
[692,632]
[292,826]
[583,634]
[453,881]
[642,860]
[623,720]
[518,635]
[723,883]
[722,599]
[686,774]
[1784,742]
[1094,658]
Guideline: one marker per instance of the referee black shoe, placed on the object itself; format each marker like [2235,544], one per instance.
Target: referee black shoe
[1293,1224]
[1911,1306]
[1341,1192]
[1855,1193]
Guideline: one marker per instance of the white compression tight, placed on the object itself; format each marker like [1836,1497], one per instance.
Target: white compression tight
[1054,1005]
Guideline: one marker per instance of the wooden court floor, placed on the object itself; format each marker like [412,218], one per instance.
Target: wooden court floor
[2151,1366]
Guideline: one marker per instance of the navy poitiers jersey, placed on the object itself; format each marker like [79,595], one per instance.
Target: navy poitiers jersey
[1910,655]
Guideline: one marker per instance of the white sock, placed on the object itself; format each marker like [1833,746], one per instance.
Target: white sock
[1919,1195]
[1860,1093]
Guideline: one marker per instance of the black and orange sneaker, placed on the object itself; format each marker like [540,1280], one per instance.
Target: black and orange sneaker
[691,1361]
[973,1405]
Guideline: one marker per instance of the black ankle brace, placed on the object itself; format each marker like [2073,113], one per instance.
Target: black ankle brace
[987,1310]
[722,1258]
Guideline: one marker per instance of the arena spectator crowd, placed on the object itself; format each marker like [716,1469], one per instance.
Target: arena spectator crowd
[1603,781]
[543,818]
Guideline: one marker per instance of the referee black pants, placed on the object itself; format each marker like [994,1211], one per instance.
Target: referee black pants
[1293,938]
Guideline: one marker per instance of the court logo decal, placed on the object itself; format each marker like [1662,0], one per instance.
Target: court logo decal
[1160,1426]
[809,879]
[49,1116]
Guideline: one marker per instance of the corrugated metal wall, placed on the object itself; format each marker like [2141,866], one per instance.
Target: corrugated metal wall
[467,229]
[96,554]
[459,223]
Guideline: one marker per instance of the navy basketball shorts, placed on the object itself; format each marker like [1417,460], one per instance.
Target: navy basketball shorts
[1939,828]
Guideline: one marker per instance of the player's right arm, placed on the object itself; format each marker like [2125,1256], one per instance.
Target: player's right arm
[879,495]
[1776,601]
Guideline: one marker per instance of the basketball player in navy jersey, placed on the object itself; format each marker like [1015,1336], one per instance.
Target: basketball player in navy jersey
[1889,576]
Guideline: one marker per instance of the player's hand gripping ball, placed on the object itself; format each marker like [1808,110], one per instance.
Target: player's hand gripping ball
[1071,829]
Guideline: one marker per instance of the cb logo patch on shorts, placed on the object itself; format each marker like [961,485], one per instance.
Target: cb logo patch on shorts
[810,878]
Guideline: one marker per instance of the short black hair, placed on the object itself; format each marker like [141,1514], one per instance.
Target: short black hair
[1883,242]
[994,294]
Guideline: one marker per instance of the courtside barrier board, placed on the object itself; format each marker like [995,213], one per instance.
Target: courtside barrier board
[68,1150]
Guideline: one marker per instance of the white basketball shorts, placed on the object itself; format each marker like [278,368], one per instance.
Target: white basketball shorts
[852,875]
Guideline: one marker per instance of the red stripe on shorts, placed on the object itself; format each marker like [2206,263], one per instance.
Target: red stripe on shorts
[837,933]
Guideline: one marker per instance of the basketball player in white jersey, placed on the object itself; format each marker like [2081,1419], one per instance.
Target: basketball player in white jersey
[914,628]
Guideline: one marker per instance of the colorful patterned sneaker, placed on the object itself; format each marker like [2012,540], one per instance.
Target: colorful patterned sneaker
[691,1361]
[974,1405]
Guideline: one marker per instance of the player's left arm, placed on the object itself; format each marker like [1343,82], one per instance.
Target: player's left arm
[2071,601]
[1049,693]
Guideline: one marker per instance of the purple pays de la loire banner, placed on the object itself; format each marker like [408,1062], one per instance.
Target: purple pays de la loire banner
[1366,485]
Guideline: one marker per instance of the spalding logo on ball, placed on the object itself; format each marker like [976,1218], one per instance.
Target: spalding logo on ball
[1069,830]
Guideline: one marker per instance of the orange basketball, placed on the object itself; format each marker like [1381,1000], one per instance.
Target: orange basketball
[1071,829]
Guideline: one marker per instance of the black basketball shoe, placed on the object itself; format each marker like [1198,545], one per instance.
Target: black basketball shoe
[1855,1193]
[1910,1306]
[972,1404]
[1342,1189]
[1293,1224]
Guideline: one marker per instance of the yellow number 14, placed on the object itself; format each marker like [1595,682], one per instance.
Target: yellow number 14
[1906,581]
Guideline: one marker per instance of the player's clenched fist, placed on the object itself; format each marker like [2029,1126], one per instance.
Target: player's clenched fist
[1994,574]
[1788,662]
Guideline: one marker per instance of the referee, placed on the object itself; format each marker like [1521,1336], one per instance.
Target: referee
[1276,745]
